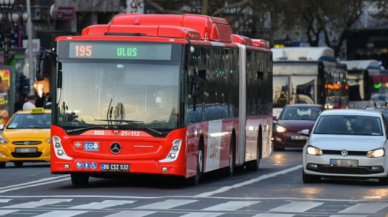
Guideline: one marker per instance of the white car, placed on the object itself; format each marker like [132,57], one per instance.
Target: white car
[346,143]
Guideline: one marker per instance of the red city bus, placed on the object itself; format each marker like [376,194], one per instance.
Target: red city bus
[159,94]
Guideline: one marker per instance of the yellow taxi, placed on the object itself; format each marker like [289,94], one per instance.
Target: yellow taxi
[26,137]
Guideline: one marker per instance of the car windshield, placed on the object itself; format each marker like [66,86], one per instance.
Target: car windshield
[28,121]
[300,113]
[349,125]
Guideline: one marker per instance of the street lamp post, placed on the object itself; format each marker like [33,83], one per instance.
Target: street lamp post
[10,18]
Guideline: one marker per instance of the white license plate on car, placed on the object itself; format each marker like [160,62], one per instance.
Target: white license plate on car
[115,167]
[343,163]
[26,150]
[299,137]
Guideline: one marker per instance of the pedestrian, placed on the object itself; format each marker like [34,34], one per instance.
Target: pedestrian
[48,103]
[30,104]
[40,102]
[19,104]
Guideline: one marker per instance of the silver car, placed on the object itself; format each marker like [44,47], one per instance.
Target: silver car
[346,143]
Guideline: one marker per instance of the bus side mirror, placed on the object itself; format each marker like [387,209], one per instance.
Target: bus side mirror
[43,64]
[196,82]
[195,86]
[59,79]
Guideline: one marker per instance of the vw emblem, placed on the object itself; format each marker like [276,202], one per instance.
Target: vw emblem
[116,132]
[26,143]
[115,148]
[344,152]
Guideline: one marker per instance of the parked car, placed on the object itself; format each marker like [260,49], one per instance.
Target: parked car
[292,120]
[383,110]
[346,143]
[26,137]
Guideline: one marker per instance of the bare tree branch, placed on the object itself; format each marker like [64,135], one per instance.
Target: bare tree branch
[230,6]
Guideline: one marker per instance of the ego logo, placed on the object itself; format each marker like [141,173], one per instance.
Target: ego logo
[213,148]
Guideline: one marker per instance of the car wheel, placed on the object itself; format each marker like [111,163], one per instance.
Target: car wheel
[308,178]
[78,179]
[383,181]
[2,164]
[18,164]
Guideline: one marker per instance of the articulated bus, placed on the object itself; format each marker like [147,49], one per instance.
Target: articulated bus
[177,95]
[368,83]
[308,75]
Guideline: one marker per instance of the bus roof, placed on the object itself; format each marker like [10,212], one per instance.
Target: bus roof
[362,64]
[304,53]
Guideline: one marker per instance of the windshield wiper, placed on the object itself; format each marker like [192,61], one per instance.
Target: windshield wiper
[85,128]
[135,122]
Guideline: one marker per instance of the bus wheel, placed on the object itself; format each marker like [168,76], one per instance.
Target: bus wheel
[78,179]
[195,179]
[2,164]
[18,163]
[255,165]
[232,159]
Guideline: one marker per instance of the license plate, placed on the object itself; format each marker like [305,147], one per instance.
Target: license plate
[299,137]
[343,163]
[26,150]
[115,167]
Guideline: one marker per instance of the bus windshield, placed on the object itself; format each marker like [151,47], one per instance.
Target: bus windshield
[118,93]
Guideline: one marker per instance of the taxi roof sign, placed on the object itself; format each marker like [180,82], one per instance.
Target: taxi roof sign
[37,110]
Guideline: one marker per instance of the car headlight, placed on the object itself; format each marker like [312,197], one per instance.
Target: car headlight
[311,150]
[3,140]
[48,140]
[376,153]
[280,129]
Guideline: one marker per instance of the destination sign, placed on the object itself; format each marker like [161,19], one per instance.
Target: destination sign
[108,50]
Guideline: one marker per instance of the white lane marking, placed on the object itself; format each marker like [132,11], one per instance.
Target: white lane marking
[29,186]
[4,200]
[102,205]
[365,208]
[27,183]
[34,204]
[131,214]
[296,207]
[202,214]
[168,204]
[166,197]
[5,212]
[267,176]
[61,214]
[274,215]
[231,206]
[348,216]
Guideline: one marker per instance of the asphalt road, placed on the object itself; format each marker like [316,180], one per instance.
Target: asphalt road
[276,190]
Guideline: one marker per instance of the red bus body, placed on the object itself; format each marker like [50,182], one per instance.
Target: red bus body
[247,131]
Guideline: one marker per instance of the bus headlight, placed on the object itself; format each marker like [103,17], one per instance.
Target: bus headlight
[376,153]
[59,151]
[174,152]
[311,150]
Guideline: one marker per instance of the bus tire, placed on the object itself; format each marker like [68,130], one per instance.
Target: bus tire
[78,179]
[255,165]
[195,179]
[18,163]
[2,164]
[232,157]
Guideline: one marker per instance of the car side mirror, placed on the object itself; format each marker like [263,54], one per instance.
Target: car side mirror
[305,132]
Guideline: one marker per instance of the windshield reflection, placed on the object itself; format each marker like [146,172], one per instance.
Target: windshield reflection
[111,94]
